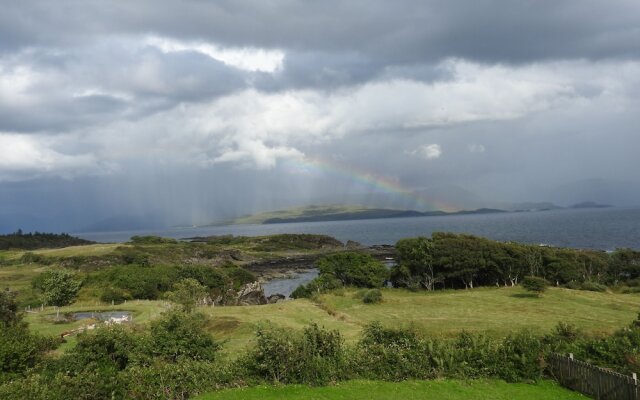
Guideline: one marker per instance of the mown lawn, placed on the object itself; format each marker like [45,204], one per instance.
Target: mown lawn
[439,389]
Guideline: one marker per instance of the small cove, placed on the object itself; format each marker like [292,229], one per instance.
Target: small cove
[286,286]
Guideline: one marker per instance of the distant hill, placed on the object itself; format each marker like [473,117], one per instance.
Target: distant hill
[590,204]
[341,213]
[532,206]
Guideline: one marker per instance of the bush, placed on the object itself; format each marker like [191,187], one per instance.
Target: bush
[395,354]
[181,380]
[573,285]
[152,240]
[321,284]
[115,295]
[179,335]
[520,358]
[188,292]
[134,256]
[593,286]
[146,283]
[354,269]
[315,356]
[372,296]
[33,258]
[19,348]
[238,276]
[535,284]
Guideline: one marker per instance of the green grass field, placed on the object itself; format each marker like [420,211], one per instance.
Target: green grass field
[493,311]
[440,389]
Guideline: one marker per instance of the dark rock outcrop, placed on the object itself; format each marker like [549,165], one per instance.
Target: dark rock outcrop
[276,298]
[249,295]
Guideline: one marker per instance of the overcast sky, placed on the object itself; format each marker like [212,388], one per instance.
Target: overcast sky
[190,111]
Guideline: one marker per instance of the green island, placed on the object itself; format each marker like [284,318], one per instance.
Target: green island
[316,213]
[339,212]
[455,316]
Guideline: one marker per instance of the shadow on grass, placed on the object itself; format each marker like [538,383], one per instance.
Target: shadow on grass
[526,295]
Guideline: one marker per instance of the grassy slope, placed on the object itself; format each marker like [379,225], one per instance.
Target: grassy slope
[441,389]
[490,310]
[19,276]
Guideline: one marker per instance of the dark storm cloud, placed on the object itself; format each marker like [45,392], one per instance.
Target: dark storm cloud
[91,85]
[394,32]
[321,70]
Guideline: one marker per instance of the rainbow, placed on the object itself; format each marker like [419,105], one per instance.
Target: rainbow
[370,179]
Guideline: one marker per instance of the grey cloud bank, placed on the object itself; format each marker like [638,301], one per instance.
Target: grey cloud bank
[171,112]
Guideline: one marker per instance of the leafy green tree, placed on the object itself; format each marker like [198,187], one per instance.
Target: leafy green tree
[188,292]
[461,257]
[415,264]
[59,286]
[624,265]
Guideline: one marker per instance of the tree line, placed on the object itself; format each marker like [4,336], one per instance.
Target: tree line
[453,261]
[38,240]
[461,261]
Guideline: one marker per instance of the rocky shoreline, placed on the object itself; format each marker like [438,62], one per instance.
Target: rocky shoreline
[288,266]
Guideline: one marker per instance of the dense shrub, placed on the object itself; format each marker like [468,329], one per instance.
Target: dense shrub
[19,348]
[396,354]
[114,295]
[179,335]
[314,356]
[140,282]
[152,240]
[521,358]
[354,269]
[294,242]
[372,296]
[593,287]
[134,256]
[151,282]
[344,269]
[176,359]
[321,284]
[180,380]
[535,284]
[187,293]
[33,258]
[236,276]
